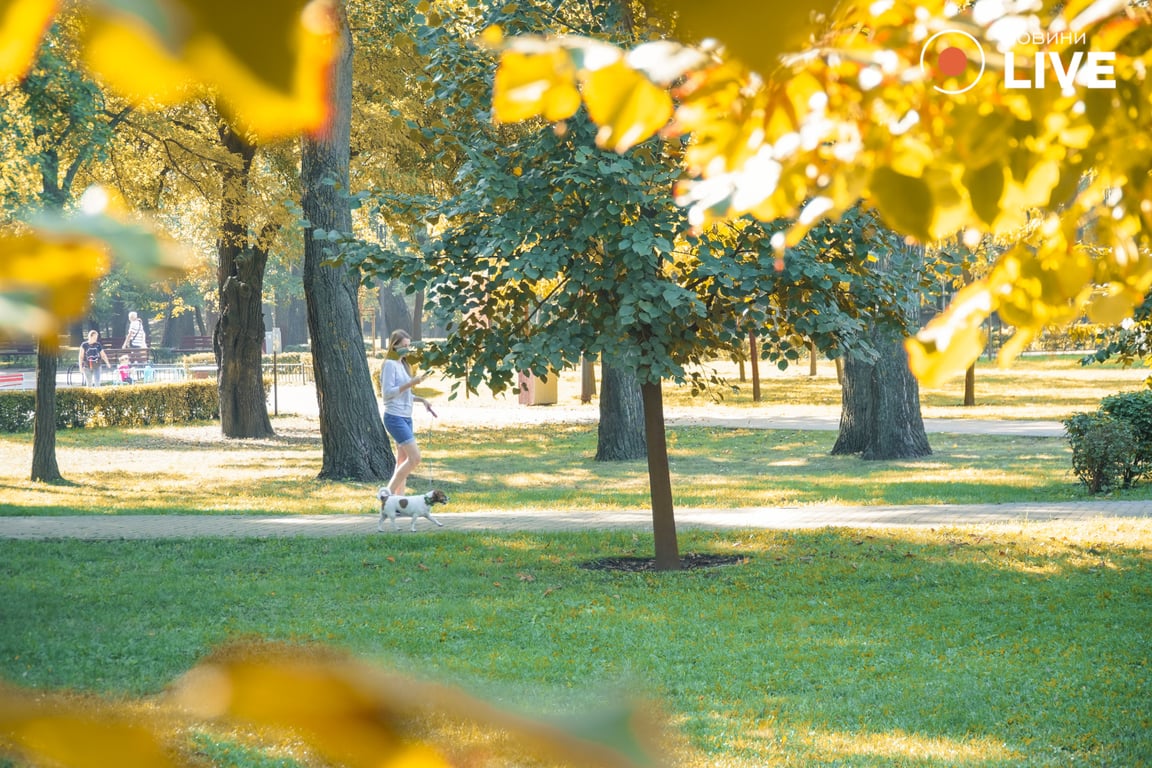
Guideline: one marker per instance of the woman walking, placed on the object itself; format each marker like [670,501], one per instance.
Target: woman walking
[396,383]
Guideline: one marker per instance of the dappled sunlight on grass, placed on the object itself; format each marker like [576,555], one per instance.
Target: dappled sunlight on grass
[187,470]
[887,746]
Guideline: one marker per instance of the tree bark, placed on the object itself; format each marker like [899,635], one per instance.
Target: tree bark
[659,480]
[857,413]
[621,433]
[880,413]
[970,385]
[355,446]
[44,466]
[238,338]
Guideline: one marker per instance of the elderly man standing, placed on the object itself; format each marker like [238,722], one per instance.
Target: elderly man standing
[134,340]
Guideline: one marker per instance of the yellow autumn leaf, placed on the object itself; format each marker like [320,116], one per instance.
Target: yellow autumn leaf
[626,105]
[22,24]
[1111,307]
[535,84]
[48,731]
[55,273]
[952,340]
[269,60]
[322,700]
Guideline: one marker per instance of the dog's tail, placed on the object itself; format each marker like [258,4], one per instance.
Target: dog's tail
[383,493]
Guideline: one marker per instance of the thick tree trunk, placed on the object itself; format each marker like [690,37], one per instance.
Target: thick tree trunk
[620,436]
[352,434]
[659,480]
[898,430]
[239,334]
[44,467]
[880,414]
[857,406]
[970,385]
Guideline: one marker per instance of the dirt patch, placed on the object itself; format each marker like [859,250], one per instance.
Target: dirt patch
[688,562]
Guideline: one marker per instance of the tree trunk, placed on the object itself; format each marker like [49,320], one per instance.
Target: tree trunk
[176,327]
[898,430]
[659,480]
[44,467]
[754,361]
[813,359]
[418,316]
[620,436]
[970,385]
[857,401]
[395,311]
[239,334]
[587,381]
[355,446]
[880,414]
[292,317]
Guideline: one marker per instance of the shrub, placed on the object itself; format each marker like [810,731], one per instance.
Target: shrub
[116,406]
[1135,410]
[1103,450]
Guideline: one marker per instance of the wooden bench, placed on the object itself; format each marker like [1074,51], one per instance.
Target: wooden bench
[114,347]
[14,351]
[195,344]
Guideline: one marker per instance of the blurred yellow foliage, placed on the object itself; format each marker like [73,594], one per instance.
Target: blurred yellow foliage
[22,22]
[851,105]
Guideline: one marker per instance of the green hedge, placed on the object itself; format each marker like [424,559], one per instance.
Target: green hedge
[116,406]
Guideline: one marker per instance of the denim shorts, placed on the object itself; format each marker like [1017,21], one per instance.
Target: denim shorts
[400,427]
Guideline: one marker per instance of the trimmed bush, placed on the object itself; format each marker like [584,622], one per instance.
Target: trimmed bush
[1135,410]
[1103,450]
[116,406]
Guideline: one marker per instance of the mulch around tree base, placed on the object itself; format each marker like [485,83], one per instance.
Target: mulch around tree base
[688,561]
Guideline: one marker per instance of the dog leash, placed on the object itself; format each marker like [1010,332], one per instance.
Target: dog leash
[431,465]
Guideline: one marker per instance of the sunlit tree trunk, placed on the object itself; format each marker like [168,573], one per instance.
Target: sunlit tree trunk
[620,434]
[659,480]
[238,338]
[44,467]
[355,446]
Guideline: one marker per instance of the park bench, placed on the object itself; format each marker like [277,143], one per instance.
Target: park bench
[195,344]
[16,351]
[113,347]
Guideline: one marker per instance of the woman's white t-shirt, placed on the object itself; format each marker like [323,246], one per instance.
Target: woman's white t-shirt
[394,376]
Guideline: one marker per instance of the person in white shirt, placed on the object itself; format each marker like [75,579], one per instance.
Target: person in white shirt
[396,384]
[135,338]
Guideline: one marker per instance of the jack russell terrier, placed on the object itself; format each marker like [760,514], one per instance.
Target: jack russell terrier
[408,506]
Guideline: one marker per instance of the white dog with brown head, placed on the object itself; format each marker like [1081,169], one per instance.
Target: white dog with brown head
[392,505]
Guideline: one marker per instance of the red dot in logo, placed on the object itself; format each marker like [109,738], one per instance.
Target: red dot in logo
[952,62]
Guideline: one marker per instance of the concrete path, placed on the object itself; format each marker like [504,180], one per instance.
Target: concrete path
[258,526]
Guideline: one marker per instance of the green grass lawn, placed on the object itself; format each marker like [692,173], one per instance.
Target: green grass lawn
[1021,646]
[1032,388]
[191,470]
[1001,646]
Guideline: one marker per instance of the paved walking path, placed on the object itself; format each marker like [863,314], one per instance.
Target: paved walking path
[258,526]
[301,400]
